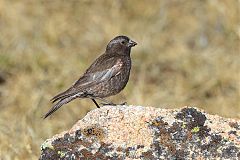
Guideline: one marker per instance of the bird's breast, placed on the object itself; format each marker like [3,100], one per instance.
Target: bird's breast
[119,81]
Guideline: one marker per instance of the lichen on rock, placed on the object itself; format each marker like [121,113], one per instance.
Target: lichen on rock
[136,132]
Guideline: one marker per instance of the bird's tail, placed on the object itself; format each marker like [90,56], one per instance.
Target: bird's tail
[62,95]
[61,102]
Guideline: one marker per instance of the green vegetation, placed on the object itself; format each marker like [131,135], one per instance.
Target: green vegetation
[195,130]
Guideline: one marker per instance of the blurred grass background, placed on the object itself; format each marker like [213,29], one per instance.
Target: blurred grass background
[187,54]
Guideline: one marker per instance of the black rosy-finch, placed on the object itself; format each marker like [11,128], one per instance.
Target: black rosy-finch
[107,76]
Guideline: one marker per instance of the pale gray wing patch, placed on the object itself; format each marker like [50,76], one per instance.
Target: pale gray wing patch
[106,74]
[100,76]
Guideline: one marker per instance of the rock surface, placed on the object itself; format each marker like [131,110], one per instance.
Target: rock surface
[135,132]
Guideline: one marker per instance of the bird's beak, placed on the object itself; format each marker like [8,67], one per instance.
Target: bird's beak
[131,43]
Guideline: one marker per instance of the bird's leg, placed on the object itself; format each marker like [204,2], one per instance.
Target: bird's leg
[94,101]
[106,102]
[101,99]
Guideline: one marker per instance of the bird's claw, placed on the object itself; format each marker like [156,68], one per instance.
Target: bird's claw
[108,104]
[124,103]
[113,104]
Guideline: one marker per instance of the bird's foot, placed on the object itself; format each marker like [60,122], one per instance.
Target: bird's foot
[124,103]
[113,104]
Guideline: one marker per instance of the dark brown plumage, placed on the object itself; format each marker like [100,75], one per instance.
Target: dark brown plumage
[107,76]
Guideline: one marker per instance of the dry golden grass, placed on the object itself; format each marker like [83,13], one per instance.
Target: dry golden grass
[188,54]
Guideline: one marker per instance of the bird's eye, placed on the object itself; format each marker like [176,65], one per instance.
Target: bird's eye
[123,42]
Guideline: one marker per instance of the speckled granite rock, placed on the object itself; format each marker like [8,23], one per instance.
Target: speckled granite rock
[135,132]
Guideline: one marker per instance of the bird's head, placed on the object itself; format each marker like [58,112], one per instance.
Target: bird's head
[120,45]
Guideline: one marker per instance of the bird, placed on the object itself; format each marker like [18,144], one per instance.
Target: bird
[106,76]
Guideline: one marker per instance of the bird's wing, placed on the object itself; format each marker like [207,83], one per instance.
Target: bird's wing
[103,69]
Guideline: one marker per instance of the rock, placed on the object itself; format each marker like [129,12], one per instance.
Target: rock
[135,132]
